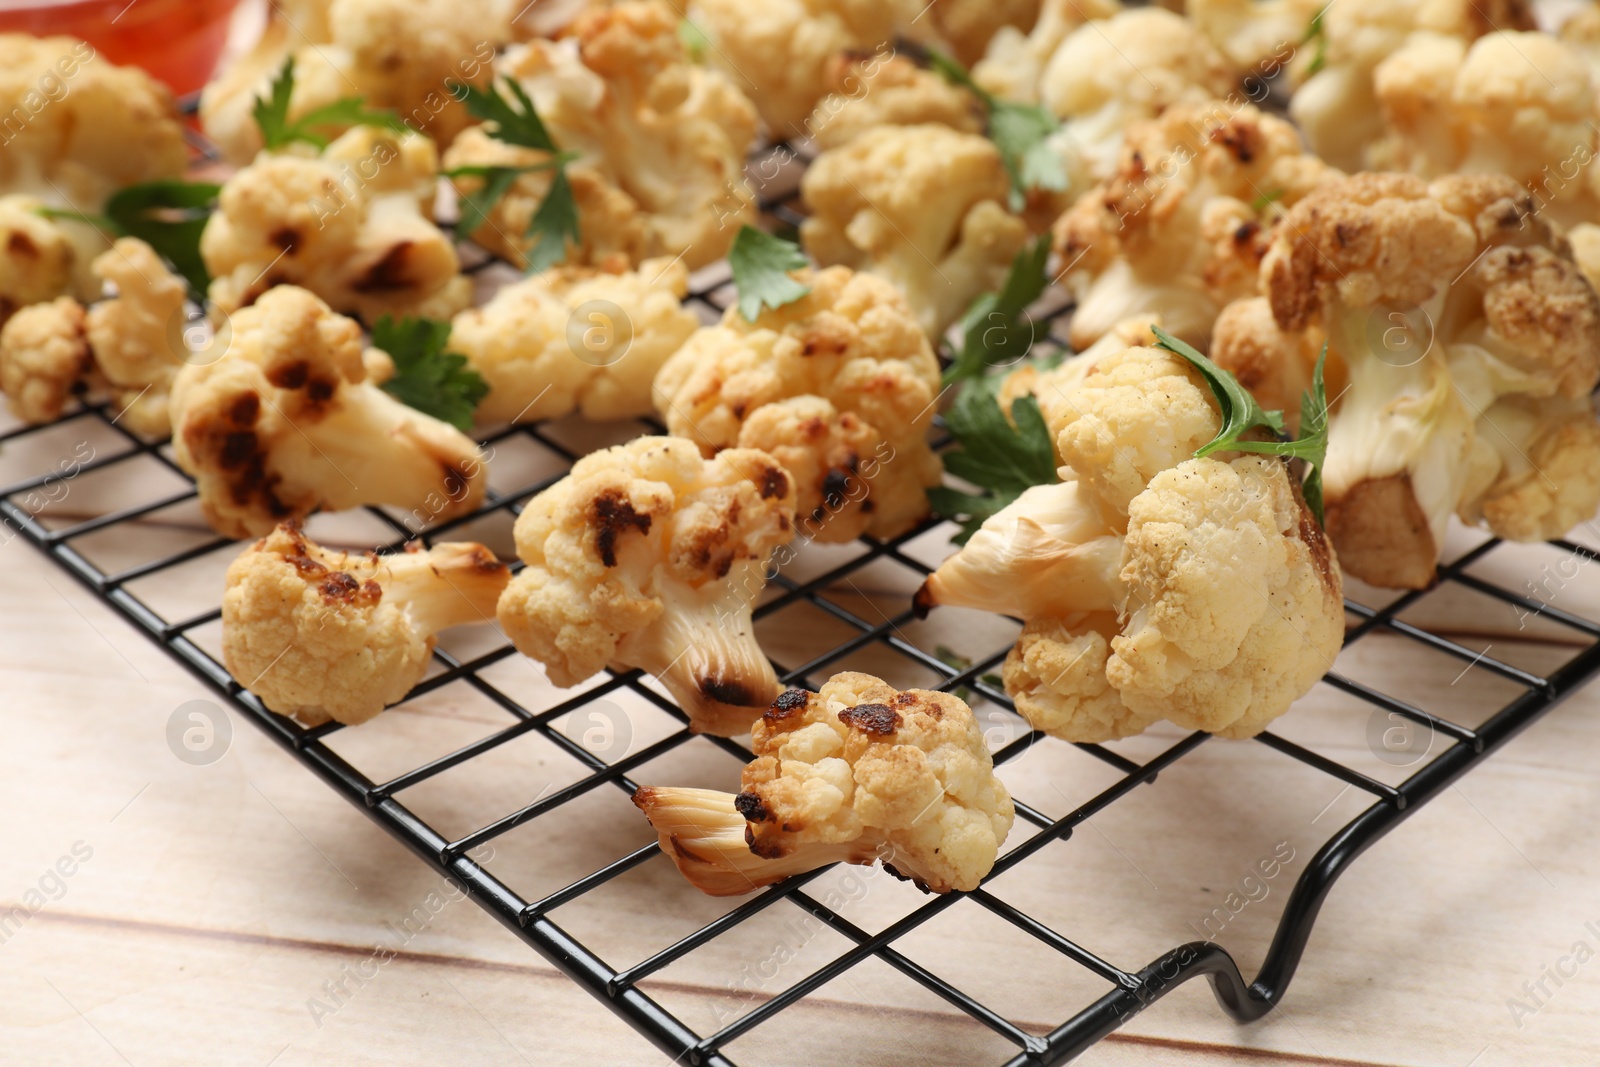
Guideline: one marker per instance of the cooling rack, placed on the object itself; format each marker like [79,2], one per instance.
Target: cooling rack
[1128,988]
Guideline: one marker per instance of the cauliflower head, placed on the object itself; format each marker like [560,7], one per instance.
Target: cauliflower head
[856,773]
[650,556]
[77,127]
[924,207]
[1182,225]
[576,339]
[285,422]
[1013,62]
[661,142]
[1335,102]
[969,25]
[1437,300]
[45,359]
[351,224]
[137,337]
[1152,585]
[1258,34]
[853,344]
[321,634]
[410,56]
[37,258]
[779,52]
[888,90]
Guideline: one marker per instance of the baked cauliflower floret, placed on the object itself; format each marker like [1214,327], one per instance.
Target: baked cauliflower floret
[77,128]
[411,56]
[1335,105]
[1519,104]
[649,556]
[888,90]
[1537,467]
[780,52]
[1013,62]
[36,257]
[576,339]
[321,634]
[850,342]
[969,25]
[1254,33]
[922,206]
[351,224]
[1181,227]
[660,142]
[1152,585]
[1438,301]
[285,422]
[856,773]
[137,337]
[44,359]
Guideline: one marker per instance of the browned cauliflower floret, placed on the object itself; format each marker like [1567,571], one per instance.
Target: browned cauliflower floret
[857,773]
[44,359]
[1335,104]
[924,207]
[850,342]
[1014,60]
[660,142]
[888,90]
[77,128]
[1438,301]
[320,634]
[779,52]
[969,25]
[576,339]
[36,257]
[411,56]
[649,556]
[1153,585]
[1182,225]
[351,224]
[285,422]
[137,337]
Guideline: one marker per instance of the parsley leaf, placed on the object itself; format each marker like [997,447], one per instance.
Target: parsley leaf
[516,120]
[428,378]
[1020,131]
[1003,458]
[477,205]
[694,39]
[996,331]
[761,264]
[553,225]
[1241,414]
[169,216]
[1266,200]
[272,114]
[1315,31]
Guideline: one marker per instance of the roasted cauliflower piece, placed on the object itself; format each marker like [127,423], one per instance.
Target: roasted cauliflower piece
[37,258]
[1014,60]
[77,128]
[45,359]
[1152,585]
[1335,104]
[856,773]
[411,56]
[285,422]
[576,339]
[888,90]
[660,141]
[969,25]
[320,634]
[1255,34]
[1456,316]
[851,343]
[1181,227]
[351,223]
[779,53]
[649,556]
[922,206]
[137,337]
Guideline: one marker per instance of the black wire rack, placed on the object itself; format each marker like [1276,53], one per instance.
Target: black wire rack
[26,506]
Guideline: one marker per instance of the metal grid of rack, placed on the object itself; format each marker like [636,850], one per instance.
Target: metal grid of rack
[1129,989]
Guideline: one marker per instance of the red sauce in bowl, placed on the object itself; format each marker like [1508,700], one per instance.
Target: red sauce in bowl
[178,41]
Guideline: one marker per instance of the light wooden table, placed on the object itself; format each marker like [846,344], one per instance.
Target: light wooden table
[209,907]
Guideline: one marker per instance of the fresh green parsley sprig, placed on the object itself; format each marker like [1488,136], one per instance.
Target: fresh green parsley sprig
[1241,414]
[996,330]
[168,215]
[515,120]
[1316,33]
[272,114]
[1020,131]
[1006,457]
[427,377]
[761,264]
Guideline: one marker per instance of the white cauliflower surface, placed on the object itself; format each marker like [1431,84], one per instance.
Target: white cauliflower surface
[1152,585]
[661,142]
[857,773]
[285,422]
[861,456]
[649,556]
[321,634]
